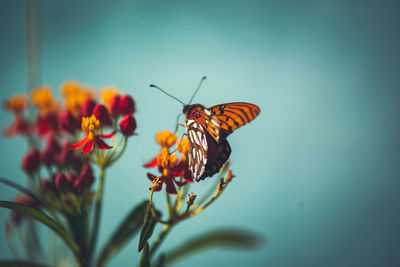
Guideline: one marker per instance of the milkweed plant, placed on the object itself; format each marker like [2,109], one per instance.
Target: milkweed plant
[72,143]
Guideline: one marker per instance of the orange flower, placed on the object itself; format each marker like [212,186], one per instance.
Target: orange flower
[16,104]
[183,147]
[75,96]
[90,125]
[43,100]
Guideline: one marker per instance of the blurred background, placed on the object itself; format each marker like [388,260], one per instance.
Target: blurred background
[317,171]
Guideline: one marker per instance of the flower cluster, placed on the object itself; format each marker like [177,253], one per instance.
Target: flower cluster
[174,170]
[63,177]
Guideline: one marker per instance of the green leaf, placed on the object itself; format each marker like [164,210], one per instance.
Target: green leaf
[21,188]
[226,238]
[123,233]
[145,259]
[20,263]
[46,220]
[148,227]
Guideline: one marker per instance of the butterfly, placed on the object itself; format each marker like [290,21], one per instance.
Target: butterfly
[207,130]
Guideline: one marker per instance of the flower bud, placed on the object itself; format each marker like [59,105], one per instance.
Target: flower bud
[79,186]
[61,182]
[114,105]
[87,108]
[31,161]
[126,105]
[71,178]
[229,176]
[191,199]
[127,125]
[86,176]
[68,122]
[101,113]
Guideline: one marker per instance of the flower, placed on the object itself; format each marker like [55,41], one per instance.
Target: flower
[157,183]
[43,100]
[166,139]
[101,113]
[75,96]
[127,125]
[183,147]
[87,108]
[18,126]
[16,104]
[126,105]
[68,122]
[49,154]
[90,125]
[107,96]
[31,161]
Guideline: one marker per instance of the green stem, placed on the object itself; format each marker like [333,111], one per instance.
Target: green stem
[97,213]
[160,239]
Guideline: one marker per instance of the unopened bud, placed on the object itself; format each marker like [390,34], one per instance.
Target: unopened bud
[191,199]
[229,176]
[221,184]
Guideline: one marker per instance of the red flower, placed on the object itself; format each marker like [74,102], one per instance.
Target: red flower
[68,122]
[31,161]
[101,113]
[171,169]
[19,126]
[159,181]
[90,125]
[126,105]
[127,125]
[87,108]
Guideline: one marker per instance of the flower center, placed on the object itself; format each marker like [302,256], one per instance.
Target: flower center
[90,125]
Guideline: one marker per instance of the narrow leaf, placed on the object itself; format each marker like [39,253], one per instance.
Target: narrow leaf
[21,188]
[43,218]
[225,238]
[148,227]
[145,259]
[123,233]
[20,263]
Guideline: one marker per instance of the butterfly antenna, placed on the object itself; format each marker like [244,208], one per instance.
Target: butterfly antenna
[197,89]
[168,94]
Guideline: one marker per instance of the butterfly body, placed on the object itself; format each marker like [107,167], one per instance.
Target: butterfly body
[207,129]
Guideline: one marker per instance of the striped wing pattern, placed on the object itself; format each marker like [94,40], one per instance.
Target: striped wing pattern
[198,148]
[207,130]
[234,115]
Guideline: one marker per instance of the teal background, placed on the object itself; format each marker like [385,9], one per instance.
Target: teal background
[317,171]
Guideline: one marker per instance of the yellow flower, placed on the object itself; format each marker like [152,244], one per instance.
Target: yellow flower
[166,161]
[183,147]
[90,125]
[43,99]
[166,139]
[75,96]
[16,104]
[107,94]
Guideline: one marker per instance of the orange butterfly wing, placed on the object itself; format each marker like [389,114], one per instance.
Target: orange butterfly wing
[234,115]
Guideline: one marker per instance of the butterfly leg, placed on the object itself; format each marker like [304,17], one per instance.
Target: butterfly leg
[177,122]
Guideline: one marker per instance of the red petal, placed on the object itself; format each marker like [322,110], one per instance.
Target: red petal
[181,183]
[79,144]
[170,185]
[101,144]
[151,176]
[88,147]
[107,136]
[151,164]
